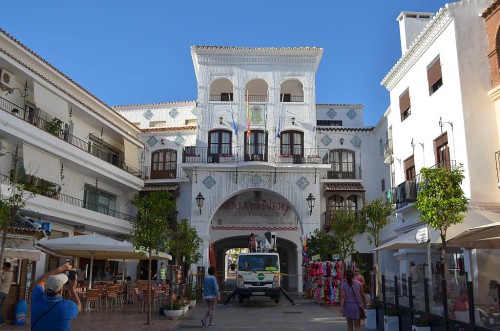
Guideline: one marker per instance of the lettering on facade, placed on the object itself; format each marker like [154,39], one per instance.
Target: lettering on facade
[264,208]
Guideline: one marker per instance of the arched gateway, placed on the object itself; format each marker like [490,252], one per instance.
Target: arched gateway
[257,211]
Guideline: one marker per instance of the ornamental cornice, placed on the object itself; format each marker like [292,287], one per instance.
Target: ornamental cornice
[430,33]
[252,60]
[34,63]
[258,51]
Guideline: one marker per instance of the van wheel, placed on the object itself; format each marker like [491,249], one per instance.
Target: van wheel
[240,299]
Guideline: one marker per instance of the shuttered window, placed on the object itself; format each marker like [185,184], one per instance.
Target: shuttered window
[434,75]
[410,172]
[442,151]
[405,105]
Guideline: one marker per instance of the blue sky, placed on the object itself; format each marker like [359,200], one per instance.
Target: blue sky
[136,52]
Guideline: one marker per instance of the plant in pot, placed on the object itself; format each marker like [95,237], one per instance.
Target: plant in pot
[420,322]
[172,309]
[191,297]
[391,318]
[54,127]
[185,305]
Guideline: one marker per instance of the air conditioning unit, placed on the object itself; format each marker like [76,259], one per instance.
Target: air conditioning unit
[6,79]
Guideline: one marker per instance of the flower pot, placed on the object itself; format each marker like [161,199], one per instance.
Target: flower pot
[371,318]
[192,303]
[420,328]
[185,309]
[391,323]
[173,314]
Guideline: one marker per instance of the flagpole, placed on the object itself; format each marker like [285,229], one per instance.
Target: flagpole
[248,126]
[265,124]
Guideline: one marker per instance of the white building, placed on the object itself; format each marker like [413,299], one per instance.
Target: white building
[255,145]
[440,113]
[77,154]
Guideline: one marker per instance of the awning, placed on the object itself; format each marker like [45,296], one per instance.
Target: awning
[346,187]
[473,219]
[168,187]
[21,249]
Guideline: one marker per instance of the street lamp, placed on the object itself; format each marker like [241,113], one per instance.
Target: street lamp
[310,202]
[199,201]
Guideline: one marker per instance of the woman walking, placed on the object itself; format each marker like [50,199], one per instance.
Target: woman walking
[351,299]
[211,295]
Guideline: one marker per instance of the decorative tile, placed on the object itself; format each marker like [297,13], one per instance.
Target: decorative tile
[356,141]
[302,183]
[256,180]
[194,111]
[179,140]
[331,113]
[152,141]
[209,182]
[173,113]
[148,114]
[351,113]
[326,140]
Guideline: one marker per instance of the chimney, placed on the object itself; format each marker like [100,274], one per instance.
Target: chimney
[410,26]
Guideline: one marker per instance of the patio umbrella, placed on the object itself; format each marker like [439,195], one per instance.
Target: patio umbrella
[94,246]
[487,243]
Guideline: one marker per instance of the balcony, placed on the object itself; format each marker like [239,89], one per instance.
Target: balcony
[260,154]
[333,215]
[61,131]
[48,189]
[388,151]
[349,171]
[175,173]
[405,193]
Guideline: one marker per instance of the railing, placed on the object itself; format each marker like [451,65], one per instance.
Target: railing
[176,173]
[334,215]
[259,153]
[348,171]
[388,149]
[256,98]
[62,133]
[228,97]
[4,179]
[295,98]
[406,192]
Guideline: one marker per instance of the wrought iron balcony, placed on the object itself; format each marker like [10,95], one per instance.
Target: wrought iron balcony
[156,173]
[345,171]
[61,131]
[388,151]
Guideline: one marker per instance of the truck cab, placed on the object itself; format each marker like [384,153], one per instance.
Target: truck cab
[258,274]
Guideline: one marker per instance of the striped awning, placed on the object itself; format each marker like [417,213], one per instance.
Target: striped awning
[345,187]
[165,187]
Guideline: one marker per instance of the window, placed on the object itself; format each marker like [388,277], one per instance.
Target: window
[410,172]
[328,123]
[164,164]
[382,184]
[219,144]
[285,97]
[405,105]
[442,151]
[98,148]
[256,146]
[337,204]
[342,164]
[380,147]
[157,124]
[98,200]
[292,143]
[434,75]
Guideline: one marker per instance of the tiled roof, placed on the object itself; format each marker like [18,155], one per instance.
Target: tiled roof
[170,129]
[348,187]
[24,226]
[491,8]
[341,128]
[165,187]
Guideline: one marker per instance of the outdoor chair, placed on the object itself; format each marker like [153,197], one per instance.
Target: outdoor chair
[92,298]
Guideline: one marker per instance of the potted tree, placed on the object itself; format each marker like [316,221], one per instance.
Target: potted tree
[190,296]
[54,127]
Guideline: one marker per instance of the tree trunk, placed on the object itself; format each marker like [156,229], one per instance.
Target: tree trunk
[443,256]
[149,289]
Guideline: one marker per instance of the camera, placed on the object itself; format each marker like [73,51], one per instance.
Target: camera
[72,275]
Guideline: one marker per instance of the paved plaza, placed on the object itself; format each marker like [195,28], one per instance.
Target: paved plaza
[257,313]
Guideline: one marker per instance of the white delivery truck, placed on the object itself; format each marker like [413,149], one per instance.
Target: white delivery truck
[258,273]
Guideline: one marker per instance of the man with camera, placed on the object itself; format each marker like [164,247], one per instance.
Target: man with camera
[49,311]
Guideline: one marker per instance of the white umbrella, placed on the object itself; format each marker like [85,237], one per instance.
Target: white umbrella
[98,247]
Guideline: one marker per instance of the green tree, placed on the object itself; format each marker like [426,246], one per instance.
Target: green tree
[441,201]
[345,226]
[376,215]
[151,227]
[321,243]
[184,242]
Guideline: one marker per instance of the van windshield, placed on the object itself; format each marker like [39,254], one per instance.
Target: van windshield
[258,262]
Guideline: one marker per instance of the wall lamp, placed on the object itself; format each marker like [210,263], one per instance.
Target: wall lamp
[441,124]
[341,141]
[293,120]
[23,95]
[199,201]
[310,202]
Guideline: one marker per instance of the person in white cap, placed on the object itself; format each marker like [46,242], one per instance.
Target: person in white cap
[49,311]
